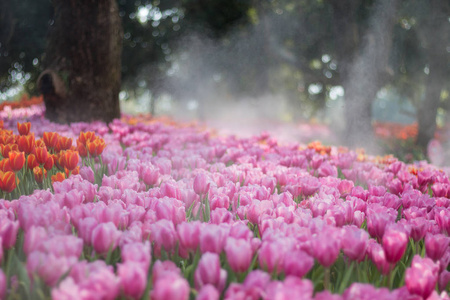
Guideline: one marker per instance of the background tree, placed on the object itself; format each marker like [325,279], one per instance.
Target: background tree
[81,78]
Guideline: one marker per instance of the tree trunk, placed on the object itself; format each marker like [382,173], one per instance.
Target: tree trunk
[434,32]
[364,65]
[82,77]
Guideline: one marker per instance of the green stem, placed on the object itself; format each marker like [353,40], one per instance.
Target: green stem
[326,279]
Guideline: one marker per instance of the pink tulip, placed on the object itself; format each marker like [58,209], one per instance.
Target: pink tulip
[213,238]
[137,252]
[88,174]
[326,169]
[33,238]
[105,237]
[345,187]
[149,175]
[48,267]
[164,236]
[366,291]
[422,277]
[163,268]
[297,263]
[436,245]
[291,288]
[62,245]
[85,229]
[377,222]
[209,272]
[255,283]
[189,235]
[208,292]
[201,184]
[442,218]
[8,232]
[271,256]
[133,279]
[377,255]
[67,290]
[96,279]
[220,201]
[419,227]
[326,247]
[171,287]
[354,243]
[221,216]
[395,240]
[239,254]
[309,185]
[326,295]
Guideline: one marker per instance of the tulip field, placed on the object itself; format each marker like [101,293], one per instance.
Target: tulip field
[153,209]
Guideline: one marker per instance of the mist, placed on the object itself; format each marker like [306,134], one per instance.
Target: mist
[254,77]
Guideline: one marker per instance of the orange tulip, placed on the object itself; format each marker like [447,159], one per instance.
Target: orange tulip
[16,160]
[26,143]
[95,147]
[50,139]
[5,149]
[5,166]
[49,163]
[24,128]
[1,124]
[41,154]
[38,175]
[58,177]
[32,162]
[64,143]
[70,159]
[8,181]
[86,136]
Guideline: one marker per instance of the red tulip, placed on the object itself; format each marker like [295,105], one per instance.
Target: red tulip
[50,139]
[64,143]
[26,143]
[24,128]
[5,149]
[41,154]
[5,165]
[70,159]
[16,160]
[32,162]
[49,163]
[38,174]
[8,181]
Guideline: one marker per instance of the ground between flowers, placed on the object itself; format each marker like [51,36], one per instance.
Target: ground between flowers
[171,211]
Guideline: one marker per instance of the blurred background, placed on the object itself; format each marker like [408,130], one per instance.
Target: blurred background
[348,72]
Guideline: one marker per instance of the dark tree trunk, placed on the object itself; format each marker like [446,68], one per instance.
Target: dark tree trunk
[364,64]
[82,77]
[434,31]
